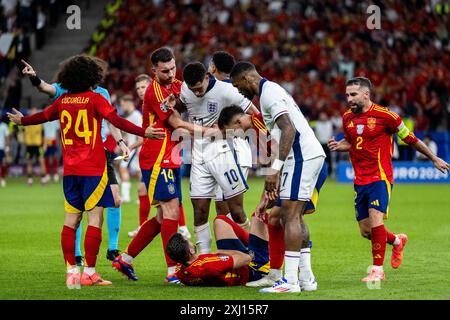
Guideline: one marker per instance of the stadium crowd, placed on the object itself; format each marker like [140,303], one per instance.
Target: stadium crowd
[310,47]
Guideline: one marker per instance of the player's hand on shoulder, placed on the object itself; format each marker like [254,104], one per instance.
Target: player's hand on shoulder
[441,165]
[155,133]
[170,101]
[15,117]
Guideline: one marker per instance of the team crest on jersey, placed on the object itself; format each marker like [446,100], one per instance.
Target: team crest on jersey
[212,106]
[171,188]
[359,128]
[371,123]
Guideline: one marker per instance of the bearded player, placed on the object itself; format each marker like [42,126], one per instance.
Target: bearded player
[368,137]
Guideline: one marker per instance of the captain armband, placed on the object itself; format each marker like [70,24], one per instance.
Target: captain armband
[407,136]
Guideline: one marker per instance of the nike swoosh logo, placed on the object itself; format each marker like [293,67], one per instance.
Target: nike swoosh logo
[232,188]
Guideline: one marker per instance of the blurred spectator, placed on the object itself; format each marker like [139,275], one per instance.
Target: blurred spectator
[41,23]
[430,144]
[324,131]
[406,152]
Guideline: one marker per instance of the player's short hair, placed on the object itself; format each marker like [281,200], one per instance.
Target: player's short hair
[223,61]
[126,97]
[80,73]
[359,81]
[227,114]
[143,77]
[241,67]
[194,73]
[177,248]
[163,54]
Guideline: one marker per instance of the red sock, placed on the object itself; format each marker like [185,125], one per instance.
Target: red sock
[55,165]
[144,209]
[276,246]
[379,238]
[148,231]
[240,233]
[47,164]
[168,228]
[92,242]
[68,245]
[4,171]
[182,220]
[390,237]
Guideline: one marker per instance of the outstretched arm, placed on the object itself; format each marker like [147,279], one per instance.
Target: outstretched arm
[40,84]
[440,164]
[340,146]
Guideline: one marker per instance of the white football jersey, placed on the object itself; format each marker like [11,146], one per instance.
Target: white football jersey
[205,111]
[51,130]
[4,132]
[136,118]
[274,102]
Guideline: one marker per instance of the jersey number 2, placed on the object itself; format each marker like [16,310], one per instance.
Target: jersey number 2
[359,141]
[82,117]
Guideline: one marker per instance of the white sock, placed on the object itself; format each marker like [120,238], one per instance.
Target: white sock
[396,241]
[73,269]
[89,270]
[379,268]
[275,274]
[126,187]
[127,258]
[171,270]
[291,261]
[245,225]
[305,264]
[203,236]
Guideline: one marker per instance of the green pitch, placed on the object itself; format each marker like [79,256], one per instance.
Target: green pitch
[32,265]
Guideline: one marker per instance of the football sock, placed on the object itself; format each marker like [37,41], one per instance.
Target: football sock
[245,225]
[171,270]
[113,217]
[55,165]
[144,209]
[89,270]
[47,165]
[392,238]
[78,241]
[379,238]
[125,189]
[203,237]
[305,264]
[241,233]
[276,246]
[291,262]
[92,242]
[182,220]
[68,245]
[275,273]
[127,258]
[148,231]
[168,228]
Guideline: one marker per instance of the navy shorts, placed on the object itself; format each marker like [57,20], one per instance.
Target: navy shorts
[162,184]
[83,193]
[373,195]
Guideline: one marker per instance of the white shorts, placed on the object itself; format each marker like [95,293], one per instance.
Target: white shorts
[298,179]
[219,193]
[133,163]
[223,171]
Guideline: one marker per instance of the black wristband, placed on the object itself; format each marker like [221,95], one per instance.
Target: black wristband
[120,140]
[35,81]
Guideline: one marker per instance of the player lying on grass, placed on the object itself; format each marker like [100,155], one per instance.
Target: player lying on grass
[241,256]
[85,181]
[233,118]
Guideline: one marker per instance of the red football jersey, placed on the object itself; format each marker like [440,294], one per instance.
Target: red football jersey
[80,116]
[262,135]
[154,150]
[213,269]
[371,137]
